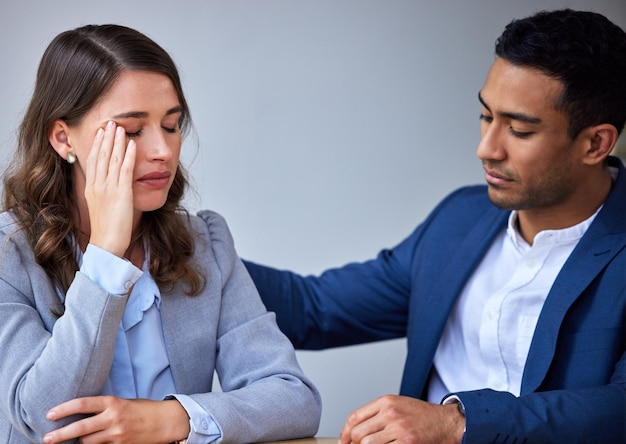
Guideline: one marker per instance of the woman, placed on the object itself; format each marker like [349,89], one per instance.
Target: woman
[116,305]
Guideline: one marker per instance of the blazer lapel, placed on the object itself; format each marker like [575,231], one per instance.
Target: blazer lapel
[604,239]
[455,274]
[181,316]
[428,318]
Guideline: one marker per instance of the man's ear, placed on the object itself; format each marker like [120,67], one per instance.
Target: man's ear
[58,137]
[600,141]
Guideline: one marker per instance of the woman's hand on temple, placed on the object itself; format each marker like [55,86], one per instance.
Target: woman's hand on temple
[109,189]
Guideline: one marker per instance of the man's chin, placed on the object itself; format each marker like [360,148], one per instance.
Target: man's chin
[502,202]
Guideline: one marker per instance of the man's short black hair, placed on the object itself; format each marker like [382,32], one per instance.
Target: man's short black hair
[583,50]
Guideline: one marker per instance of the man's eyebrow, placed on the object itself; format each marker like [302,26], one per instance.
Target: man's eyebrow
[521,117]
[143,114]
[482,102]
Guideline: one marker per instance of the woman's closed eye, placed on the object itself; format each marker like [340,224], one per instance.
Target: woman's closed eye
[134,134]
[138,133]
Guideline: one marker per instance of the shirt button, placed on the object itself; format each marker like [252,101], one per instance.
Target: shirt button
[531,263]
[127,285]
[205,425]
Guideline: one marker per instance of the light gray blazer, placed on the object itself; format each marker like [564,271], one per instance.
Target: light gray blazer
[48,360]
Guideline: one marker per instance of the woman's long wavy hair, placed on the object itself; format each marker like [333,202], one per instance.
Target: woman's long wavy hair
[77,68]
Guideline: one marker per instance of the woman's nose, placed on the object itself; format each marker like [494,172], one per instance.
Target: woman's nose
[157,147]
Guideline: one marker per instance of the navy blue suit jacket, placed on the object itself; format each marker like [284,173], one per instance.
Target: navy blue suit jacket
[574,382]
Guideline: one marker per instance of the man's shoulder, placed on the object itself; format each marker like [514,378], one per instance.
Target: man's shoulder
[468,200]
[459,212]
[470,192]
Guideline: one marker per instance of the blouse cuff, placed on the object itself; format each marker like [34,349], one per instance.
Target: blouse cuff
[112,273]
[202,426]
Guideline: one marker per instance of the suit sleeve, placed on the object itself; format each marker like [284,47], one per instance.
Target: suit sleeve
[51,361]
[265,395]
[356,303]
[589,415]
[352,304]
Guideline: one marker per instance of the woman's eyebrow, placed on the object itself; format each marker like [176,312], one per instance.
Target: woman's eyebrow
[131,115]
[144,114]
[176,109]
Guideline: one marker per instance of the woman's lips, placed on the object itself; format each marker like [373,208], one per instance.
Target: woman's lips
[156,179]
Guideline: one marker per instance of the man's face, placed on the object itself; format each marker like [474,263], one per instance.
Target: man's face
[530,161]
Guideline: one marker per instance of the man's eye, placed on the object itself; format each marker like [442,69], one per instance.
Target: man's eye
[520,134]
[485,118]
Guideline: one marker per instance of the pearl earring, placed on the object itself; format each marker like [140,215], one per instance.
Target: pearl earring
[71,158]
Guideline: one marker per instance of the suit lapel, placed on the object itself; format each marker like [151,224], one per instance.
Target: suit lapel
[184,341]
[459,267]
[429,317]
[604,239]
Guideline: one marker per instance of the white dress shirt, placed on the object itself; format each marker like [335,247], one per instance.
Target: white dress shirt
[486,340]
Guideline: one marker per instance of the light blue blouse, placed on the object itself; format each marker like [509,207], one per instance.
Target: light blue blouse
[141,367]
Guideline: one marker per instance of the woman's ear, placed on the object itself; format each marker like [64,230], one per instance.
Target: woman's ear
[601,141]
[57,135]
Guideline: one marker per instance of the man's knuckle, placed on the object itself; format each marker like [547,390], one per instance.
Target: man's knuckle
[408,438]
[387,400]
[352,418]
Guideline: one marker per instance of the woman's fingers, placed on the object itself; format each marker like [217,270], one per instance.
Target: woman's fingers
[107,153]
[117,155]
[127,168]
[92,157]
[109,189]
[103,153]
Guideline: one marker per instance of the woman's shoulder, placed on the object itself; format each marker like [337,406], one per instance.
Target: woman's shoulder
[8,223]
[211,223]
[211,219]
[10,229]
[16,255]
[211,228]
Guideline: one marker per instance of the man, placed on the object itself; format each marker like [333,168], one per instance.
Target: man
[512,295]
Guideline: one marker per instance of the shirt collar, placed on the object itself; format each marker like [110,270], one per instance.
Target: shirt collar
[568,234]
[549,237]
[145,293]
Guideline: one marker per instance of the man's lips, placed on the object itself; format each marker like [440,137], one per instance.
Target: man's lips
[495,177]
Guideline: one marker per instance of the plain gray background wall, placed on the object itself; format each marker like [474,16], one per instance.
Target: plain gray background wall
[324,130]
